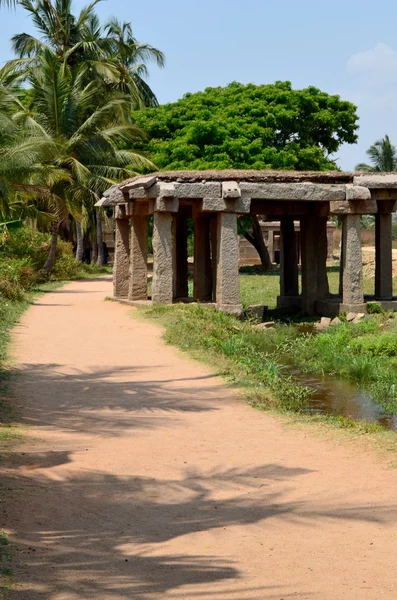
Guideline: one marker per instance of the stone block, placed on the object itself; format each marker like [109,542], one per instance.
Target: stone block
[113,196]
[231,190]
[120,212]
[141,192]
[378,181]
[142,182]
[350,316]
[336,321]
[305,192]
[255,312]
[230,309]
[198,190]
[356,308]
[325,322]
[357,192]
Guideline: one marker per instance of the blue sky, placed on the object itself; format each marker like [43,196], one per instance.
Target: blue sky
[347,47]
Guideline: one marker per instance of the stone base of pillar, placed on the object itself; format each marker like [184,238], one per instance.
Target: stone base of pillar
[230,309]
[289,302]
[355,308]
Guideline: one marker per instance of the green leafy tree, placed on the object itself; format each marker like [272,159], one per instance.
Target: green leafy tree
[383,157]
[250,127]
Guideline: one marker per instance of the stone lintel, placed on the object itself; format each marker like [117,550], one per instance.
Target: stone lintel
[356,207]
[197,190]
[378,181]
[307,192]
[231,190]
[239,206]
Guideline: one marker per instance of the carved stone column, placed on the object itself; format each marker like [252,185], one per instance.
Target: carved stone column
[163,284]
[384,257]
[122,255]
[227,284]
[138,258]
[353,293]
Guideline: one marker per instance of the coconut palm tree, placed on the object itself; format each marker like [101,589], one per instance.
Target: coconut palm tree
[110,56]
[383,156]
[85,131]
[131,58]
[25,171]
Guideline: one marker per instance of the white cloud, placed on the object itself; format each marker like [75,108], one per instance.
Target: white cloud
[376,66]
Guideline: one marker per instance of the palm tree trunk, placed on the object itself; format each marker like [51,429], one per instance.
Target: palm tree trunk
[256,239]
[50,262]
[99,239]
[80,242]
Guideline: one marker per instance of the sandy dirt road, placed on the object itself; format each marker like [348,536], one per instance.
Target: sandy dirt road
[143,478]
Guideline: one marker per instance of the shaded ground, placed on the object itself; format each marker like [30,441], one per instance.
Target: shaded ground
[142,477]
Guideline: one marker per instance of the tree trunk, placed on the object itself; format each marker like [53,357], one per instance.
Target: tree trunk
[99,239]
[50,262]
[256,239]
[80,242]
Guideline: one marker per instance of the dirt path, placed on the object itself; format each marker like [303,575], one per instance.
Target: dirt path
[142,478]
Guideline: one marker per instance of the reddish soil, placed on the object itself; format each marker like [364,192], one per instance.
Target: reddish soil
[143,478]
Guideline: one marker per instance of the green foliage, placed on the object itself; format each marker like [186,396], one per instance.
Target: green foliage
[249,126]
[383,157]
[376,345]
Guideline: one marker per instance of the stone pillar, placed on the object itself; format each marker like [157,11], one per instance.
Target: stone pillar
[181,288]
[270,245]
[202,259]
[289,280]
[384,258]
[309,233]
[138,258]
[162,288]
[322,255]
[214,253]
[227,279]
[353,294]
[121,256]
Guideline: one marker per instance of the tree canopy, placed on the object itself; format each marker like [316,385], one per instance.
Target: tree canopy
[249,126]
